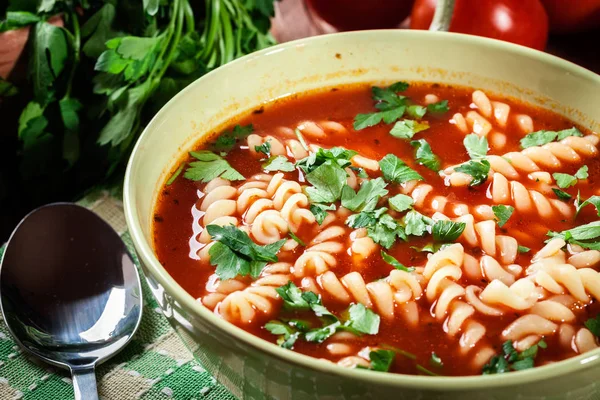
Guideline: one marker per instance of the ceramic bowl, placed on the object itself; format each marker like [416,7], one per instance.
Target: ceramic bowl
[255,369]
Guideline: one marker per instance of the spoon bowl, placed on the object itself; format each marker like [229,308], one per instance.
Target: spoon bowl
[69,291]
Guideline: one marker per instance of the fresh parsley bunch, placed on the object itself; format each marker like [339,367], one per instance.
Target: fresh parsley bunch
[97,71]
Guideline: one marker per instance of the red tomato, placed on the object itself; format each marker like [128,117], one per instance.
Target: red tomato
[518,21]
[351,15]
[571,16]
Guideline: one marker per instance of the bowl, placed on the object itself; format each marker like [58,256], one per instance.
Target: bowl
[255,369]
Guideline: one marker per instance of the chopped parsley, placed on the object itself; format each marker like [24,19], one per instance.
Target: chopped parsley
[416,111]
[541,138]
[320,211]
[296,238]
[394,263]
[561,194]
[396,171]
[327,182]
[512,360]
[502,213]
[390,104]
[416,223]
[227,140]
[381,360]
[264,148]
[477,146]
[439,107]
[407,128]
[367,197]
[335,155]
[235,254]
[436,361]
[175,175]
[523,249]
[424,156]
[593,325]
[381,227]
[400,202]
[363,319]
[595,200]
[447,231]
[278,163]
[210,166]
[479,170]
[586,236]
[288,335]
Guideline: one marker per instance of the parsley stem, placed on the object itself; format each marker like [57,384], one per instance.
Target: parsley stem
[442,16]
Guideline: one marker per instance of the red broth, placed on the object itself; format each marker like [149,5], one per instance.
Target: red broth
[173,220]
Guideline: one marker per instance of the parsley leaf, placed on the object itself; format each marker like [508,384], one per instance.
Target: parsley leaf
[319,335]
[394,263]
[502,213]
[381,227]
[595,200]
[593,325]
[416,111]
[210,166]
[236,254]
[582,173]
[436,361]
[381,359]
[287,335]
[564,180]
[447,231]
[439,107]
[561,195]
[367,197]
[565,133]
[479,170]
[396,171]
[400,202]
[296,238]
[476,146]
[538,138]
[424,155]
[416,223]
[362,121]
[512,360]
[335,155]
[363,319]
[264,148]
[523,249]
[228,139]
[428,248]
[278,163]
[328,181]
[406,128]
[391,106]
[320,211]
[586,236]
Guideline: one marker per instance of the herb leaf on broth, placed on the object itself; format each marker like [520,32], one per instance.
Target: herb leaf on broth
[363,319]
[540,138]
[512,360]
[210,166]
[395,263]
[564,196]
[278,163]
[595,200]
[502,213]
[335,155]
[382,228]
[425,156]
[396,171]
[264,148]
[227,140]
[320,211]
[586,236]
[417,224]
[296,238]
[327,182]
[416,111]
[391,105]
[447,231]
[438,108]
[367,196]
[523,249]
[235,254]
[477,146]
[288,335]
[407,128]
[565,180]
[593,325]
[400,202]
[479,170]
[175,174]
[381,359]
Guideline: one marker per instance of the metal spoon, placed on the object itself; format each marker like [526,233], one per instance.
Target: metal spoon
[70,293]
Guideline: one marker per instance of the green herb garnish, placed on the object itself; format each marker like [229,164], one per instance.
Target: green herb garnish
[502,213]
[394,263]
[479,170]
[396,171]
[210,166]
[424,156]
[477,146]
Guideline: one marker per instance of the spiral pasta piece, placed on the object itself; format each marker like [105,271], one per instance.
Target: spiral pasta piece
[579,340]
[548,157]
[259,298]
[319,256]
[425,199]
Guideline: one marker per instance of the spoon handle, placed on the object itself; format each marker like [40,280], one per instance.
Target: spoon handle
[84,383]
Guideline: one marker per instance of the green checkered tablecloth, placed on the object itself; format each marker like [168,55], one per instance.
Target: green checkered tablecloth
[154,365]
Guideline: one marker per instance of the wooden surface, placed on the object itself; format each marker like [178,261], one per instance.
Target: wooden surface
[292,22]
